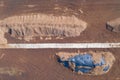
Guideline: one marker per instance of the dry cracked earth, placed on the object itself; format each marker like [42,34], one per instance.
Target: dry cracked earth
[41,64]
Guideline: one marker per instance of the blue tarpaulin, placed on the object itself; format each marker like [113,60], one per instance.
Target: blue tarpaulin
[106,68]
[85,62]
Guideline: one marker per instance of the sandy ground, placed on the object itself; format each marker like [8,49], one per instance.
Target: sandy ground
[42,65]
[95,13]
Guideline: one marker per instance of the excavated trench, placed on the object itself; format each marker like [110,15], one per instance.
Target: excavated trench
[33,25]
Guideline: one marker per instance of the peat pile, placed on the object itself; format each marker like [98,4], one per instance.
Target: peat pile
[91,63]
[2,38]
[32,25]
[11,71]
[114,25]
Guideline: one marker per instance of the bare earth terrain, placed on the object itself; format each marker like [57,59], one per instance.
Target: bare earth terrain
[42,65]
[95,13]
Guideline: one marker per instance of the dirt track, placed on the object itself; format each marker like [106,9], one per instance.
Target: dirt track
[41,65]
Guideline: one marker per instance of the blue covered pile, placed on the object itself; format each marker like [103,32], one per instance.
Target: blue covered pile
[83,63]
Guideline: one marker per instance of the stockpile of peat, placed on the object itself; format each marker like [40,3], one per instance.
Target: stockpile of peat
[31,25]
